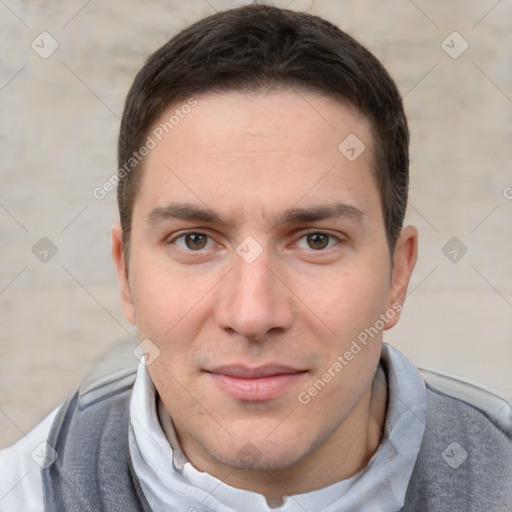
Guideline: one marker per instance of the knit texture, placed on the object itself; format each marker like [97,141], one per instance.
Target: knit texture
[464,463]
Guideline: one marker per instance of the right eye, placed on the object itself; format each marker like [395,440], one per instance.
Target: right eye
[193,241]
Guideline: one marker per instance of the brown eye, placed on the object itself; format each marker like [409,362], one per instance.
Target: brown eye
[195,241]
[317,241]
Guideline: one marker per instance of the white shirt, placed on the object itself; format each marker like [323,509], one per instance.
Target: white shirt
[381,486]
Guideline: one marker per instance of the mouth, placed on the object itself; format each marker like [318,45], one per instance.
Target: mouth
[256,384]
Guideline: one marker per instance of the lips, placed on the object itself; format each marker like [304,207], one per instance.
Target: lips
[255,384]
[242,372]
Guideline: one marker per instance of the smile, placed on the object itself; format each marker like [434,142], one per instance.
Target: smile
[256,384]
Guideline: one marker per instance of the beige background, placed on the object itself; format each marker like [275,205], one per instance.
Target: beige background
[58,128]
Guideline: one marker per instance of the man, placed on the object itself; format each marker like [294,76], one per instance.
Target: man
[263,176]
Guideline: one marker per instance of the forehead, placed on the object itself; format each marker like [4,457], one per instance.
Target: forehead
[275,146]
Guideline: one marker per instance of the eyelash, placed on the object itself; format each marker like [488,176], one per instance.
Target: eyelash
[337,238]
[183,234]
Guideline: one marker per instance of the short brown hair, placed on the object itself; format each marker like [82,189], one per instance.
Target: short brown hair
[259,47]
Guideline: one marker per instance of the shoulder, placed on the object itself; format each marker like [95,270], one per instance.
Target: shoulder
[465,459]
[22,464]
[20,467]
[482,439]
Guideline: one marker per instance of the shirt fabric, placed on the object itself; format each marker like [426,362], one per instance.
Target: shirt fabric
[167,477]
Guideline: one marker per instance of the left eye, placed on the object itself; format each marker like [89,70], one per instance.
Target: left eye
[317,241]
[193,241]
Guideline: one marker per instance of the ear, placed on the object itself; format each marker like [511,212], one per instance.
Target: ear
[122,272]
[404,260]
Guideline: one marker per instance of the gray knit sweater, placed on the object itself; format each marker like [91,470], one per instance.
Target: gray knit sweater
[464,463]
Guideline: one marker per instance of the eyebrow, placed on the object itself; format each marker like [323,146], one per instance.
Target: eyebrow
[191,212]
[313,214]
[183,212]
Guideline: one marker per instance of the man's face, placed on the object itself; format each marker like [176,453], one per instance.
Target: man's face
[258,256]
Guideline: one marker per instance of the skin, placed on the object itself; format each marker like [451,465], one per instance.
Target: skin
[251,158]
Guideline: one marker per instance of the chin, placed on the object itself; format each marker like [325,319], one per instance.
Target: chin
[259,453]
[251,458]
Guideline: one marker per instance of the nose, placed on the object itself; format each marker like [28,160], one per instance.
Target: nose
[253,301]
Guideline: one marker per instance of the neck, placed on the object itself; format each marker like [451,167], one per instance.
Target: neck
[346,452]
[343,454]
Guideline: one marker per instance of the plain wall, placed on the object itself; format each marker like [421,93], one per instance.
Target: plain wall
[58,128]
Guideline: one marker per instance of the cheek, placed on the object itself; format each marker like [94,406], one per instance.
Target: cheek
[350,307]
[347,301]
[166,302]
